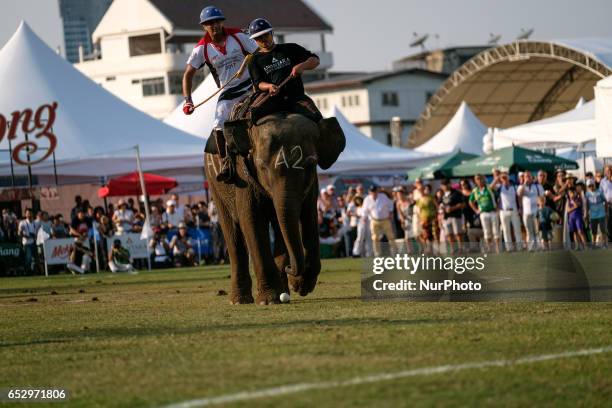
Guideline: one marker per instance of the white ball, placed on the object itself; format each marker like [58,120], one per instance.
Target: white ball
[284,297]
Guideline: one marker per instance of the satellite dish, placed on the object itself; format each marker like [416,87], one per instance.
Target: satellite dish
[419,40]
[494,38]
[525,34]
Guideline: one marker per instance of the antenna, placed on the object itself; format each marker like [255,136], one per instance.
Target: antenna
[525,34]
[419,40]
[494,38]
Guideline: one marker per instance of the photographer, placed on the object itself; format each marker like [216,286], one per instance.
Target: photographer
[160,252]
[119,258]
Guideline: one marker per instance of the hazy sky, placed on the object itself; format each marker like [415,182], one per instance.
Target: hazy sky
[369,35]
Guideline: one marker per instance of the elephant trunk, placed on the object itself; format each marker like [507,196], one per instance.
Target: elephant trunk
[288,214]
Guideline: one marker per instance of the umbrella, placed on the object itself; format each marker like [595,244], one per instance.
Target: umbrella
[512,159]
[439,167]
[130,185]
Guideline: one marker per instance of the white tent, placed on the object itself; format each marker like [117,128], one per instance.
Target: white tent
[96,132]
[603,115]
[464,131]
[576,126]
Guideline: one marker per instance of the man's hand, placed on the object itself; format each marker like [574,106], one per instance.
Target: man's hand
[297,70]
[188,106]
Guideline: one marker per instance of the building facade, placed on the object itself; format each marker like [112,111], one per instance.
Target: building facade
[141,60]
[370,101]
[445,60]
[80,18]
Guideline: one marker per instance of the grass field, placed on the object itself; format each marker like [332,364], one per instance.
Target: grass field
[164,337]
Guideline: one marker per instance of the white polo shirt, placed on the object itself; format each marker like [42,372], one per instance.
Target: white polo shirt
[530,194]
[378,209]
[507,197]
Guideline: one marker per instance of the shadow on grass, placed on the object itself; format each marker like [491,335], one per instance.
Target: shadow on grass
[126,332]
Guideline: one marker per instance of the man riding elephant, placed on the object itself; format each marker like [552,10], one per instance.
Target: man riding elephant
[223,50]
[271,65]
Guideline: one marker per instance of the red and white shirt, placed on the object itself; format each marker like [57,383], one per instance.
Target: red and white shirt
[226,60]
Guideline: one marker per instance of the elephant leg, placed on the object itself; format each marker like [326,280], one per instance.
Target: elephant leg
[281,256]
[310,237]
[254,222]
[241,284]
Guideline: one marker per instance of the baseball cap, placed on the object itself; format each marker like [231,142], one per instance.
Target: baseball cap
[182,225]
[590,182]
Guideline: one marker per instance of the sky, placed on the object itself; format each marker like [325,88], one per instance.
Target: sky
[370,35]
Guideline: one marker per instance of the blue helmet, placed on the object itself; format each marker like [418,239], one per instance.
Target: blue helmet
[259,26]
[211,13]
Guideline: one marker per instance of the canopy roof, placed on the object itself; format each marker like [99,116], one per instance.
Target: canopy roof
[516,83]
[96,132]
[464,131]
[130,185]
[572,127]
[440,167]
[512,159]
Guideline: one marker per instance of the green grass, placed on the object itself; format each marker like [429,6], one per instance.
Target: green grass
[167,336]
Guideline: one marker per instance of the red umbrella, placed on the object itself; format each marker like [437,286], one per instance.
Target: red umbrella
[130,185]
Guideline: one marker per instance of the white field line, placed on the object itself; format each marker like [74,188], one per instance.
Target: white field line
[300,387]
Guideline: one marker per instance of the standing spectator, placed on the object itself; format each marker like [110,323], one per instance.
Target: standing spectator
[529,193]
[545,219]
[379,209]
[156,218]
[182,249]
[482,201]
[360,191]
[119,259]
[596,208]
[123,218]
[605,185]
[353,220]
[216,234]
[180,209]
[9,224]
[80,256]
[171,218]
[363,242]
[508,213]
[575,219]
[202,220]
[472,220]
[428,210]
[417,192]
[405,210]
[58,228]
[27,233]
[452,205]
[80,225]
[78,205]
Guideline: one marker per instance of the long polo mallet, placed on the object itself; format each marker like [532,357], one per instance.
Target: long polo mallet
[236,75]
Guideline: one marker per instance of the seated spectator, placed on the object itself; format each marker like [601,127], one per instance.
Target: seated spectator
[171,218]
[160,250]
[182,249]
[123,218]
[80,256]
[119,258]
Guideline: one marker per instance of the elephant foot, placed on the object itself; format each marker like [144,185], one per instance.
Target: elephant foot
[241,299]
[302,284]
[267,297]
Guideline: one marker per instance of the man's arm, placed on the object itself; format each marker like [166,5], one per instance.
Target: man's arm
[188,75]
[309,64]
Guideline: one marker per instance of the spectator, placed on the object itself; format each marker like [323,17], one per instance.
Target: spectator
[119,259]
[482,201]
[123,218]
[171,218]
[558,192]
[218,241]
[509,213]
[452,205]
[58,228]
[405,210]
[575,219]
[180,209]
[160,250]
[545,218]
[156,218]
[363,242]
[379,209]
[78,205]
[529,192]
[200,215]
[80,225]
[605,185]
[360,191]
[9,225]
[472,220]
[27,233]
[428,210]
[182,249]
[80,256]
[596,209]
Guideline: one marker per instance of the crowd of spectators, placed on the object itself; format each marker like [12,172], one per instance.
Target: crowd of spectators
[505,212]
[173,243]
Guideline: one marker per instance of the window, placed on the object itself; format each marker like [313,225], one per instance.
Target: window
[135,81]
[356,100]
[343,101]
[428,95]
[390,99]
[145,44]
[153,86]
[324,103]
[110,78]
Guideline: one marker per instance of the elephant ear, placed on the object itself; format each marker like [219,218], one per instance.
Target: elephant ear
[330,143]
[237,136]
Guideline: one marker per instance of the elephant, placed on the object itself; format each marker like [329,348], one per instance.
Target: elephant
[277,185]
